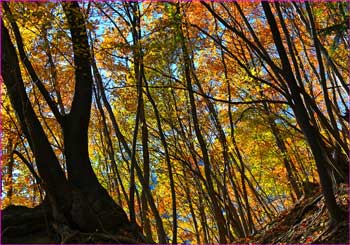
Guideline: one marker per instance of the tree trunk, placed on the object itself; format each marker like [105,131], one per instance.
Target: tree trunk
[220,220]
[282,147]
[311,134]
[79,202]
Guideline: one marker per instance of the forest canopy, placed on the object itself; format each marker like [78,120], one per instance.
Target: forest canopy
[181,122]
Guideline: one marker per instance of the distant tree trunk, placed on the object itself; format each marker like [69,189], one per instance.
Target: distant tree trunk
[220,220]
[100,95]
[109,142]
[203,219]
[133,12]
[146,169]
[189,199]
[237,152]
[8,167]
[121,138]
[282,147]
[168,163]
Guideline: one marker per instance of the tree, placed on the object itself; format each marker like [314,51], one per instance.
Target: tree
[295,93]
[203,121]
[79,200]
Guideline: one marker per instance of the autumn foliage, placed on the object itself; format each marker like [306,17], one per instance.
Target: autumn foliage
[202,121]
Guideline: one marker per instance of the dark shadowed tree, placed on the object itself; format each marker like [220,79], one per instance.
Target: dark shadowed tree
[79,200]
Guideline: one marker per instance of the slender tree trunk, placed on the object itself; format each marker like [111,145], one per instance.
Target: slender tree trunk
[282,147]
[168,162]
[8,176]
[221,224]
[189,199]
[310,132]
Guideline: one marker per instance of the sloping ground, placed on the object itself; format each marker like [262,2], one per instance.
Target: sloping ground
[307,222]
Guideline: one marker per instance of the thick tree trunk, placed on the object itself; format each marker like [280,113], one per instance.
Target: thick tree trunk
[75,129]
[79,202]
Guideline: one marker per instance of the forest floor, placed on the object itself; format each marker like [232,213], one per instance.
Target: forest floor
[306,222]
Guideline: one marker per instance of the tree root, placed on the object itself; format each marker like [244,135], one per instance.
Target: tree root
[36,225]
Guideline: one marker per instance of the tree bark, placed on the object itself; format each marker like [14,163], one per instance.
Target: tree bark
[79,202]
[311,134]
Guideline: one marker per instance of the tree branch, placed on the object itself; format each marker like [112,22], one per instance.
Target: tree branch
[35,79]
[29,166]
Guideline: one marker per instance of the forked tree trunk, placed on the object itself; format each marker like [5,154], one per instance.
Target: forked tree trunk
[79,202]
